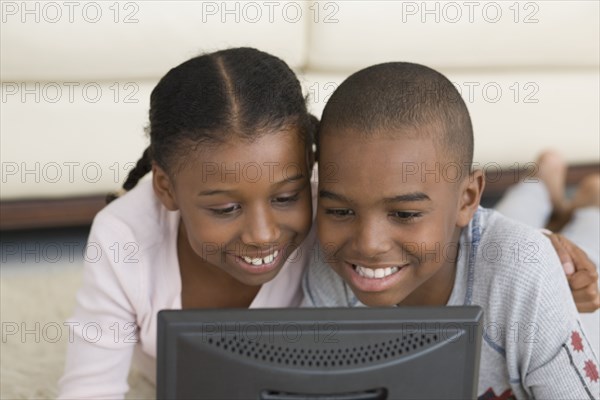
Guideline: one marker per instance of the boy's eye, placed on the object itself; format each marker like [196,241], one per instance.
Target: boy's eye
[406,216]
[225,211]
[339,212]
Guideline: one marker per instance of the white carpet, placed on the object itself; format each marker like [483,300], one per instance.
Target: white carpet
[34,304]
[38,298]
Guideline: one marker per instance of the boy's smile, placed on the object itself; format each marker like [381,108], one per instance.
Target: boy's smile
[390,218]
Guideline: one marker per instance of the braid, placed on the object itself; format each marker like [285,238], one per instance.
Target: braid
[142,167]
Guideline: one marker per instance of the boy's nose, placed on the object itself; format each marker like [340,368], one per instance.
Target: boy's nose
[371,239]
[261,228]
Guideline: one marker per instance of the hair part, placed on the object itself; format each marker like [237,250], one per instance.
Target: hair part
[240,93]
[400,98]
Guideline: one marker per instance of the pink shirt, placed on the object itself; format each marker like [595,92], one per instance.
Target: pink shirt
[131,272]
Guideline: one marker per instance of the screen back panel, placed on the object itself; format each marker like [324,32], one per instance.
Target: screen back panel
[408,352]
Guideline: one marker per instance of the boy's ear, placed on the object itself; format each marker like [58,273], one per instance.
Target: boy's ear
[469,197]
[163,188]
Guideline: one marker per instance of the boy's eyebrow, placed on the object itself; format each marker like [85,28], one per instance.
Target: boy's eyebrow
[288,179]
[415,196]
[325,194]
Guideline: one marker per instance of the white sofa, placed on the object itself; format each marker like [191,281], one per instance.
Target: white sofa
[76,77]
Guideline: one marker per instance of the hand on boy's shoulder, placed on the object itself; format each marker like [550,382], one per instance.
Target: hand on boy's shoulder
[517,250]
[515,246]
[520,283]
[519,264]
[581,272]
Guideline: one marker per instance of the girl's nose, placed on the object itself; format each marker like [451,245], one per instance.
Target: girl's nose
[262,228]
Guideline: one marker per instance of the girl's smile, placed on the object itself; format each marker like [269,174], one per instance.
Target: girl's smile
[261,265]
[245,206]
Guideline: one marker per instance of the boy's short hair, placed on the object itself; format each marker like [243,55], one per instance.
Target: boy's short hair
[403,98]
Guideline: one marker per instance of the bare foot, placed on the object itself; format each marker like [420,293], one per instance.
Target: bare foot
[588,192]
[586,195]
[552,171]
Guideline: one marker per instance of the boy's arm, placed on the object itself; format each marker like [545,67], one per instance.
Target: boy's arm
[561,363]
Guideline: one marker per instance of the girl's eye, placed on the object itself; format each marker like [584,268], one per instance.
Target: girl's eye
[339,212]
[406,216]
[286,199]
[225,211]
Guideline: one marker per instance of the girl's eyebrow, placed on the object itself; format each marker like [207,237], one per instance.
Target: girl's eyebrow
[289,179]
[213,192]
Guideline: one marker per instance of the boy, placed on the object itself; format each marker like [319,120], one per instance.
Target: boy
[399,221]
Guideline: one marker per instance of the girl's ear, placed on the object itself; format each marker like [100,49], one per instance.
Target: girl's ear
[469,197]
[163,188]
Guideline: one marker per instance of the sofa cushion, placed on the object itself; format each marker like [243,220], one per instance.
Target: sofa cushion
[128,40]
[74,146]
[515,113]
[351,35]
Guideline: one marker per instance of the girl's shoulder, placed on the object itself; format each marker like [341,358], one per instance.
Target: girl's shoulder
[138,215]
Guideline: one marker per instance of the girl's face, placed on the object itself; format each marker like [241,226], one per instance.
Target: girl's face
[245,206]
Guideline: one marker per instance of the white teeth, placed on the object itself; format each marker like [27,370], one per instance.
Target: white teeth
[260,261]
[376,273]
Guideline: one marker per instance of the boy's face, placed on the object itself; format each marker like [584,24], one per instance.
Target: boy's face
[389,217]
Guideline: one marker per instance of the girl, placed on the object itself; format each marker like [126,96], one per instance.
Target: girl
[224,222]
